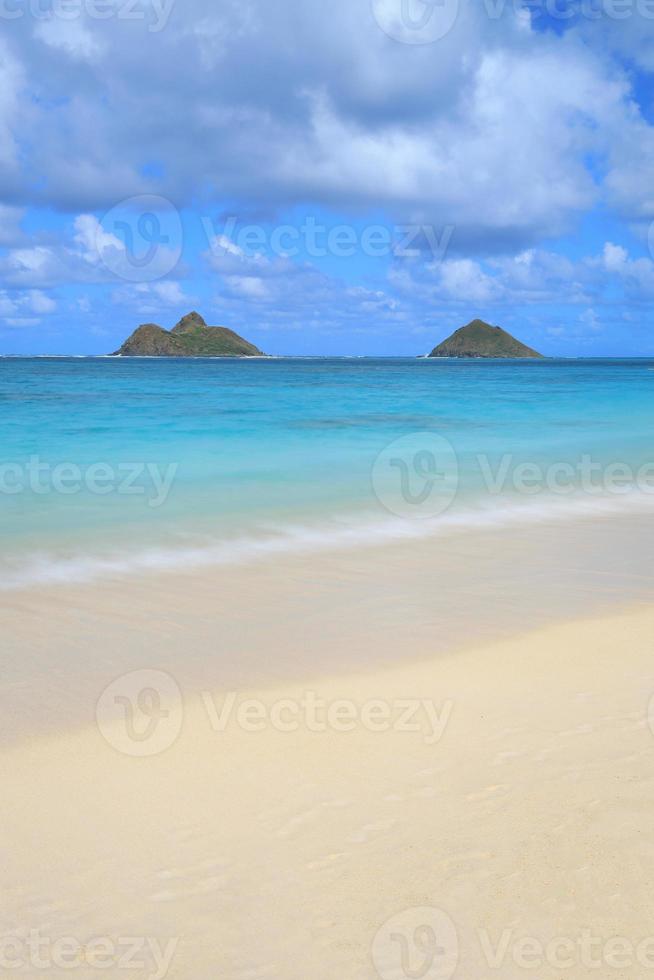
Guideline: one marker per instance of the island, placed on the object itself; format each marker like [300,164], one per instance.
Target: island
[480,339]
[191,337]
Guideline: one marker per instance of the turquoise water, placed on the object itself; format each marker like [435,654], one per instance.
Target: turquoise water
[111,464]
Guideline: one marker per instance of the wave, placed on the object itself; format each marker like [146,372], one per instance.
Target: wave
[347,532]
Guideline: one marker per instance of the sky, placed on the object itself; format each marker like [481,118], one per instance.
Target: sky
[336,178]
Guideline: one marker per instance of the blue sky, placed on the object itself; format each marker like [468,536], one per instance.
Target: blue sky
[356,177]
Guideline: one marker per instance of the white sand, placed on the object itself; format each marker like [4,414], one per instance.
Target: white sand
[271,854]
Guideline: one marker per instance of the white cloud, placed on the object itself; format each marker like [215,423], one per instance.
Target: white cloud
[248,287]
[39,302]
[490,129]
[70,36]
[464,279]
[630,35]
[591,320]
[11,232]
[154,298]
[170,293]
[12,81]
[93,240]
[16,307]
[530,277]
[507,133]
[635,275]
[37,266]
[42,266]
[227,258]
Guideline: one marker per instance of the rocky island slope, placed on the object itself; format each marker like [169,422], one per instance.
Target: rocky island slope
[191,337]
[480,339]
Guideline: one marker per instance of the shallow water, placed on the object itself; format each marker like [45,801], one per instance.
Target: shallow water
[111,465]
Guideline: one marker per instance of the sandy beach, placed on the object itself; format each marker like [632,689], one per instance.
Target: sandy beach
[431,804]
[327,490]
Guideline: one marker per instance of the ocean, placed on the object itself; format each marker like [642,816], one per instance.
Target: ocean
[112,466]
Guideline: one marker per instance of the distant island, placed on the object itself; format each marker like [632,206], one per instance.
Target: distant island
[191,337]
[480,339]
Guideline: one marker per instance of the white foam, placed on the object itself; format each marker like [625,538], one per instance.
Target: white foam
[345,533]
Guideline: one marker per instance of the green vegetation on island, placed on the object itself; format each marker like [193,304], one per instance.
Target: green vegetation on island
[480,339]
[191,337]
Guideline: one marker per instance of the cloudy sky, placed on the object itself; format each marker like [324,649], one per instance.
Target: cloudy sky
[352,176]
